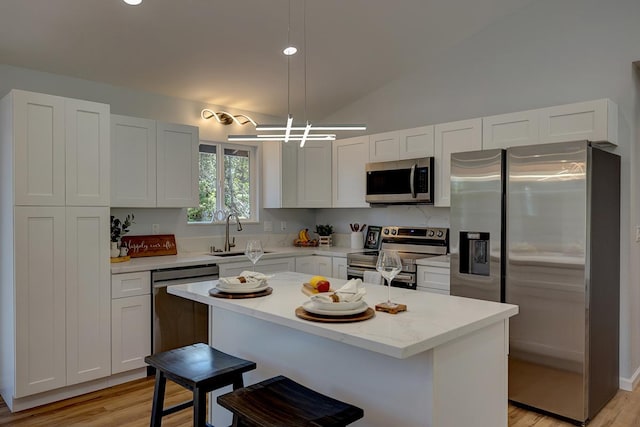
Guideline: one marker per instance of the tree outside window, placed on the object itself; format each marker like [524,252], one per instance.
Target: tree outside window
[233,168]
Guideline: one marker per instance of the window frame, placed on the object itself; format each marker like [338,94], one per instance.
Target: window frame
[254,170]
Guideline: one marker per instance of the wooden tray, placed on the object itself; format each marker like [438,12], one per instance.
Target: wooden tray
[219,294]
[310,292]
[121,258]
[365,315]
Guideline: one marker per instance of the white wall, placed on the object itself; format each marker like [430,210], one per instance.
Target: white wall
[552,52]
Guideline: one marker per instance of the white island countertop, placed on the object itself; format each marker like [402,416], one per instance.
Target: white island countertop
[431,320]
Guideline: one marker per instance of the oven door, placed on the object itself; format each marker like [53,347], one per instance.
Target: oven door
[402,280]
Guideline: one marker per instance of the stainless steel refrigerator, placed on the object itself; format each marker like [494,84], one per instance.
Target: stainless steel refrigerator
[539,226]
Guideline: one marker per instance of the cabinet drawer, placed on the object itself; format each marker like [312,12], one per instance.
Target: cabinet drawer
[433,277]
[130,284]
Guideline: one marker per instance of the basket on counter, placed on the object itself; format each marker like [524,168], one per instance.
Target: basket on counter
[305,243]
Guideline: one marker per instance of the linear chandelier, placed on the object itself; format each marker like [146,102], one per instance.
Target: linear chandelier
[290,130]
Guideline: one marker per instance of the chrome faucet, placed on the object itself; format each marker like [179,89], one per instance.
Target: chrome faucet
[228,245]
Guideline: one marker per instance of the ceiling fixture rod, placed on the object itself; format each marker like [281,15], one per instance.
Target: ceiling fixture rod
[289,128]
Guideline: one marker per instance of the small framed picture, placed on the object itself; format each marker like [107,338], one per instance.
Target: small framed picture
[373,237]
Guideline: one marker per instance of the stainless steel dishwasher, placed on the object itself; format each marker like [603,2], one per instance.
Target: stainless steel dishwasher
[178,321]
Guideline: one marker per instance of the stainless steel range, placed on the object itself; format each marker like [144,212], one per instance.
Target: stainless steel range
[412,243]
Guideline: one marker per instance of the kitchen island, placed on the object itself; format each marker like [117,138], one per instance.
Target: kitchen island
[441,363]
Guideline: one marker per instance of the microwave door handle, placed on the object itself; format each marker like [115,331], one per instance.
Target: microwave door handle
[412,180]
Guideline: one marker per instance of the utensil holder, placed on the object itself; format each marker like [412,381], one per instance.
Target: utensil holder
[357,240]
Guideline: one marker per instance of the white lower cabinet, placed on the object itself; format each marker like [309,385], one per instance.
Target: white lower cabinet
[267,266]
[339,268]
[61,308]
[130,320]
[433,279]
[315,264]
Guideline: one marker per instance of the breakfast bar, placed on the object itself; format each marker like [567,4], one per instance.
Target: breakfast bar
[441,363]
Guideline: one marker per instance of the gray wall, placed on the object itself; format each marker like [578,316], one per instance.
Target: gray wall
[552,52]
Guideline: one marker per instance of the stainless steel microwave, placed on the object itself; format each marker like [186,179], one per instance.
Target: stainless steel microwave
[400,182]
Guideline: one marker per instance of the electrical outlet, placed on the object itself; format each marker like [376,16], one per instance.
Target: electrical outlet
[637,233]
[283,225]
[155,229]
[268,226]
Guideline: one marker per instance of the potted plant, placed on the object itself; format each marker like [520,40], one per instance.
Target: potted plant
[325,232]
[119,229]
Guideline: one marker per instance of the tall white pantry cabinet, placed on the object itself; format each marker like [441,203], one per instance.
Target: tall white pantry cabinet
[55,300]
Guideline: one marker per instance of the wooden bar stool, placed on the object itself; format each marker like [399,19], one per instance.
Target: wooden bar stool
[199,368]
[280,401]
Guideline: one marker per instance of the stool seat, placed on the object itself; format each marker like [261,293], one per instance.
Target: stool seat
[199,368]
[280,401]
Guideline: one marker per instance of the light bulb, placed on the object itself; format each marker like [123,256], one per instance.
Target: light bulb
[132,2]
[291,50]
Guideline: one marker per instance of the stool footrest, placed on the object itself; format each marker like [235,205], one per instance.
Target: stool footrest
[179,407]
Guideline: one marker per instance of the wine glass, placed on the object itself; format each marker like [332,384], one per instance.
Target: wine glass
[389,265]
[254,251]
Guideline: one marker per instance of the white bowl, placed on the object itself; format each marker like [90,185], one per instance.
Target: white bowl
[337,306]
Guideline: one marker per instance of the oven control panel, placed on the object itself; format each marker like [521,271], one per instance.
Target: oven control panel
[390,233]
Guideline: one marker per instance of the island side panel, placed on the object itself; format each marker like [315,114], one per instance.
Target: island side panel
[391,391]
[470,379]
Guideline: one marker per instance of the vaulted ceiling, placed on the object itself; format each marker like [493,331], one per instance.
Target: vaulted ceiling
[229,52]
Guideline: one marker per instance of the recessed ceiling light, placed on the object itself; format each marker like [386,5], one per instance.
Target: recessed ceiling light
[132,2]
[291,50]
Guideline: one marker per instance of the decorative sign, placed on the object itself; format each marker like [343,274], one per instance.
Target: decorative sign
[154,245]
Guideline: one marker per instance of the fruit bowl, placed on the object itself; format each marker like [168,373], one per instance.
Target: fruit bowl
[305,243]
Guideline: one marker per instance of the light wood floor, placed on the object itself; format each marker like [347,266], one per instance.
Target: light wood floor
[130,405]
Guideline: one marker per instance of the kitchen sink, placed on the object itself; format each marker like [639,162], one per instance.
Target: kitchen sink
[226,254]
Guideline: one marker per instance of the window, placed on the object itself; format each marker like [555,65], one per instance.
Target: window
[227,183]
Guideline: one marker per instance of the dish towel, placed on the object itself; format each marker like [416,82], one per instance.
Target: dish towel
[246,279]
[352,291]
[372,277]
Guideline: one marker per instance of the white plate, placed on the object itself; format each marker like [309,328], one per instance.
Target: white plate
[312,308]
[238,290]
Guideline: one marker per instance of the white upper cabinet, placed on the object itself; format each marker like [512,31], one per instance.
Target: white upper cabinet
[454,137]
[39,144]
[349,177]
[87,153]
[401,144]
[314,175]
[279,174]
[133,162]
[510,130]
[384,147]
[177,166]
[416,142]
[153,164]
[595,121]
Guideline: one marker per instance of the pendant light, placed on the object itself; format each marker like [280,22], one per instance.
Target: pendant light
[291,131]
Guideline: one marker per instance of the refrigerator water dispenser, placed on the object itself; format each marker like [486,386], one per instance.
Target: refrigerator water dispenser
[474,253]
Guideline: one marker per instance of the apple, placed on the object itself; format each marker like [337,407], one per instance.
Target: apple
[323,286]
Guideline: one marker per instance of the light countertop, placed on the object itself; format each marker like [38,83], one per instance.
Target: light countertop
[188,259]
[431,319]
[436,261]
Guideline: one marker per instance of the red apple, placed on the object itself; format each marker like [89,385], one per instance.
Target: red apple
[323,286]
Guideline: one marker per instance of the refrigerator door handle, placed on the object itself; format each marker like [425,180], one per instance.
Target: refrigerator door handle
[412,180]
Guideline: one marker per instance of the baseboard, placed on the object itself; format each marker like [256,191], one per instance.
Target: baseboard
[629,384]
[29,402]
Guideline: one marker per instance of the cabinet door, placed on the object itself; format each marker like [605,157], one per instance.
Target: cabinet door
[454,137]
[314,175]
[177,166]
[324,265]
[416,142]
[433,278]
[87,153]
[130,332]
[340,268]
[279,174]
[88,294]
[510,130]
[133,162]
[384,147]
[591,120]
[306,264]
[350,157]
[38,127]
[40,357]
